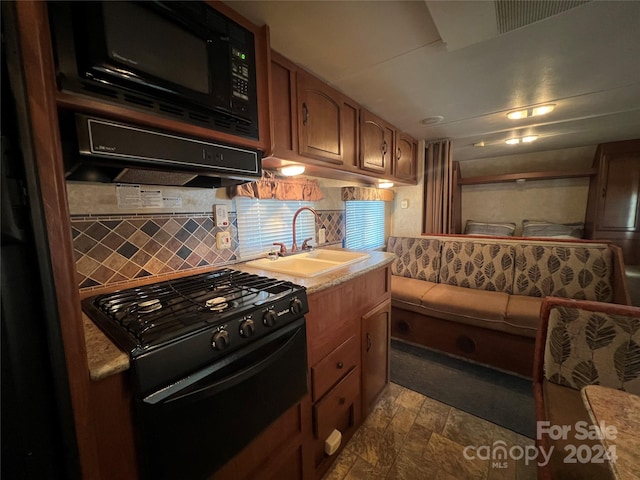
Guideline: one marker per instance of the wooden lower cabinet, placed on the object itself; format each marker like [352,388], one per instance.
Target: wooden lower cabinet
[281,452]
[346,379]
[376,337]
[348,358]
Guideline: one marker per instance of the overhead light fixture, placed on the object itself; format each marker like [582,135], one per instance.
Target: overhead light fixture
[385,184]
[516,140]
[531,112]
[291,170]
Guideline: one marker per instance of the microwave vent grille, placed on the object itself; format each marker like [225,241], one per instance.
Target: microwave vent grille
[99,90]
[171,110]
[243,129]
[200,118]
[137,100]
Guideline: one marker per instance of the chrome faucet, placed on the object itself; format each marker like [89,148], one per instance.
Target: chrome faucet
[294,247]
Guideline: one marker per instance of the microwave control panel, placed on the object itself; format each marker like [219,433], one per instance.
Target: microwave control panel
[239,79]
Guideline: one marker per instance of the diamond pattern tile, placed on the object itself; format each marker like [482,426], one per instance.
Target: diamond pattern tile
[119,248]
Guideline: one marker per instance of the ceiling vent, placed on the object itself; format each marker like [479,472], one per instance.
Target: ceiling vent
[511,15]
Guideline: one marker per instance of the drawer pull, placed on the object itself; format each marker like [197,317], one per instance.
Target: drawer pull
[342,400]
[339,365]
[369,343]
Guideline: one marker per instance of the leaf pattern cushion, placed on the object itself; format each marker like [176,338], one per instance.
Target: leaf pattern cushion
[580,273]
[483,266]
[593,348]
[417,258]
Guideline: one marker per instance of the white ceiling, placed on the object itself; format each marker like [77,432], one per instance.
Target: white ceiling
[397,61]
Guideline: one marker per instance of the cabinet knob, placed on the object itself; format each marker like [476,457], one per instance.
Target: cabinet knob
[305,113]
[384,147]
[369,343]
[341,400]
[339,365]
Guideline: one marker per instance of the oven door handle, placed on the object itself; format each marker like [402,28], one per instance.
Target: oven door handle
[186,389]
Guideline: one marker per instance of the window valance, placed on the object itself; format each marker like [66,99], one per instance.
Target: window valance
[270,186]
[366,193]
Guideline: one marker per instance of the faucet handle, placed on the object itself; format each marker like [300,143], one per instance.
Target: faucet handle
[305,244]
[283,247]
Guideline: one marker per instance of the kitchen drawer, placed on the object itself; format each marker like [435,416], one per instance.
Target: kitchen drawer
[328,371]
[340,409]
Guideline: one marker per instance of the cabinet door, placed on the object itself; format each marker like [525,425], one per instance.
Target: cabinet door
[319,119]
[406,158]
[376,327]
[284,133]
[376,143]
[619,207]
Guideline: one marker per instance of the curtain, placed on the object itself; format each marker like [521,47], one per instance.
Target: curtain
[438,184]
[270,186]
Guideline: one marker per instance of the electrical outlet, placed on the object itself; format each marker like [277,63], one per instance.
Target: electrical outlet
[220,216]
[223,240]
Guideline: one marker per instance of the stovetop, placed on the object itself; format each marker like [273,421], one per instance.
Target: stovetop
[173,327]
[142,318]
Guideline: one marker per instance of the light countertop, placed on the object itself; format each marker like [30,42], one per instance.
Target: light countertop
[106,359]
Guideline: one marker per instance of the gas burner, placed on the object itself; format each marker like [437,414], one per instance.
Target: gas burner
[217,304]
[149,306]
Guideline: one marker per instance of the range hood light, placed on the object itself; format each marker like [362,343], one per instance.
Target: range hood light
[512,141]
[529,139]
[385,184]
[291,170]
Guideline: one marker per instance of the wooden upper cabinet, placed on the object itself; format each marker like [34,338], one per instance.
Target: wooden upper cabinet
[613,206]
[376,143]
[284,126]
[619,206]
[319,119]
[405,162]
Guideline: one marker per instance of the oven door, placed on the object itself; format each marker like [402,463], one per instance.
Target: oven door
[192,427]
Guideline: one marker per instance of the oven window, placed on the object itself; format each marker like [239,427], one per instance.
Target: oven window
[263,222]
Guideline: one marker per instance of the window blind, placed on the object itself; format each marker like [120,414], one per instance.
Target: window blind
[364,224]
[261,222]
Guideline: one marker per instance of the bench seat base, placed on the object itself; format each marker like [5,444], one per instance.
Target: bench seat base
[505,351]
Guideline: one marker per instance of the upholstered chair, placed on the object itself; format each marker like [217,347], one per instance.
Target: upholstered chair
[581,343]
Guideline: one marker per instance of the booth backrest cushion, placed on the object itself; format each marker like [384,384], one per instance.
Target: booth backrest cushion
[592,348]
[483,266]
[417,258]
[572,272]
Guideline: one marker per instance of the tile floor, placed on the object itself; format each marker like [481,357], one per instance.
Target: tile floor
[412,437]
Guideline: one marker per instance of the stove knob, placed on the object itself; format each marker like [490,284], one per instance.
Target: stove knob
[295,306]
[220,340]
[269,318]
[247,328]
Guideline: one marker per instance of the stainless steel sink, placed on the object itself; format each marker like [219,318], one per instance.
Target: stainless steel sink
[310,264]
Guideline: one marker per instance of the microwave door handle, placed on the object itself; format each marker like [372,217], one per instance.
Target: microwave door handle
[180,390]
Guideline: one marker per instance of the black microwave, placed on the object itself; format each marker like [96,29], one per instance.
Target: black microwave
[183,60]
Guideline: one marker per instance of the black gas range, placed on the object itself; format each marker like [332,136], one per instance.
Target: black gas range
[201,348]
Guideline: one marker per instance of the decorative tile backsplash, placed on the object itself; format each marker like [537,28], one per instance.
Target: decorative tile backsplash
[113,249]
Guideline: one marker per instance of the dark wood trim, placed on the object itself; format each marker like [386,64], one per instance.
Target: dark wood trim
[512,177]
[38,67]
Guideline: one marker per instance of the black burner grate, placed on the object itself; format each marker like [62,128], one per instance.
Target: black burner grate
[156,313]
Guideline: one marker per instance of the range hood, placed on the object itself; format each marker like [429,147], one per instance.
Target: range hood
[101,150]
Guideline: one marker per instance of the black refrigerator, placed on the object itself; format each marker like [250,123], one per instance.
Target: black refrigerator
[38,436]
